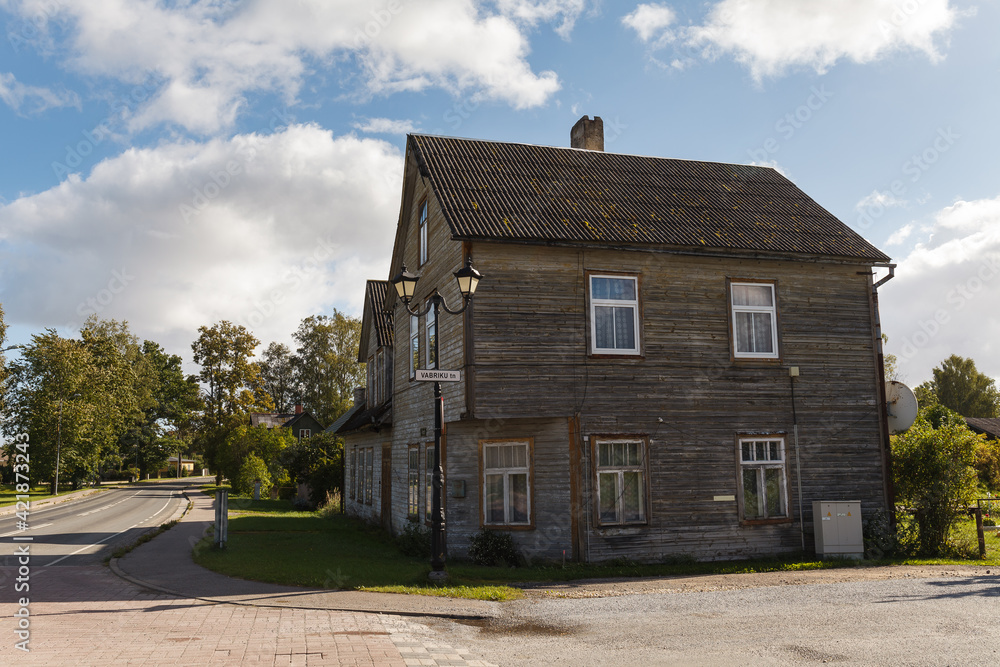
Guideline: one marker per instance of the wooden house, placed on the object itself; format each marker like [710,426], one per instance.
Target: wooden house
[649,337]
[301,423]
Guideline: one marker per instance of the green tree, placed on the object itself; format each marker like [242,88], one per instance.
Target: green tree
[326,364]
[124,381]
[245,440]
[54,393]
[3,364]
[933,473]
[889,362]
[958,386]
[224,352]
[172,402]
[277,372]
[252,469]
[319,462]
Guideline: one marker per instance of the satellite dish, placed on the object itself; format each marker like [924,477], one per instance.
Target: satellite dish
[901,405]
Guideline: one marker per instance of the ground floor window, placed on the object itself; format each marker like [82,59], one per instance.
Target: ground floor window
[762,478]
[413,482]
[352,472]
[621,480]
[507,482]
[369,474]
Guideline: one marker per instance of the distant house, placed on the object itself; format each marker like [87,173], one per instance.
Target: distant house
[627,364]
[989,426]
[301,422]
[170,467]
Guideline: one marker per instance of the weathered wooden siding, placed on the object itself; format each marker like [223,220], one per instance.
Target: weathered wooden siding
[535,379]
[531,338]
[357,506]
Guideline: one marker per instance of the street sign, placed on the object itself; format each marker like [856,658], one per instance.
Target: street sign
[424,375]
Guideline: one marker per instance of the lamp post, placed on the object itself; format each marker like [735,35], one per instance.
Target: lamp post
[406,283]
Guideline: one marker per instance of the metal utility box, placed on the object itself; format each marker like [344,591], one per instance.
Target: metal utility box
[837,524]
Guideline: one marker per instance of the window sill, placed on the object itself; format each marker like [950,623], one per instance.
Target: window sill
[509,526]
[622,529]
[611,355]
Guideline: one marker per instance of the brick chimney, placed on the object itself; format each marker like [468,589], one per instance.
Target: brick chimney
[588,134]
[359,396]
[298,408]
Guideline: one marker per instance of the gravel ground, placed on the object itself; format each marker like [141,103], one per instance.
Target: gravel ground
[928,615]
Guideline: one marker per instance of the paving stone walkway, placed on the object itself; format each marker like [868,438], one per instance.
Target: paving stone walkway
[86,615]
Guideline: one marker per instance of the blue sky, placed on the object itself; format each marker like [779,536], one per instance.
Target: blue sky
[178,163]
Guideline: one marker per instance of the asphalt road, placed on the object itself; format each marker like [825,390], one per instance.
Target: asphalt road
[941,621]
[83,532]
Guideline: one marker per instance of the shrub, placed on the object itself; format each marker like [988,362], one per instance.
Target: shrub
[989,522]
[414,541]
[933,473]
[493,548]
[253,468]
[879,537]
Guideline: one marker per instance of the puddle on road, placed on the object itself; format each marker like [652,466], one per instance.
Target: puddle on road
[493,626]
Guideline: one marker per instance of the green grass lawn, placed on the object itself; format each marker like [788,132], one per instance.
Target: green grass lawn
[8,493]
[270,541]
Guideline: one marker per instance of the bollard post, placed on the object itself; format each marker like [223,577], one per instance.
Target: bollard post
[221,517]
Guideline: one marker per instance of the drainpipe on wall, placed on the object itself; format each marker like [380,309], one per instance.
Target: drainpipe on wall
[888,489]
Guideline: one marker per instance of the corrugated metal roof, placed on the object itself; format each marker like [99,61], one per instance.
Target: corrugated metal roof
[988,425]
[377,291]
[524,193]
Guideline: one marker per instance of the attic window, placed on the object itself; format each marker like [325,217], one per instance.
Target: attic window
[423,233]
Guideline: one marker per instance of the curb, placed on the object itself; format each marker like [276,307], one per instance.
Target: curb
[116,569]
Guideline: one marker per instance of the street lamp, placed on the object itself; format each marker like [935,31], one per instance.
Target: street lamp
[406,284]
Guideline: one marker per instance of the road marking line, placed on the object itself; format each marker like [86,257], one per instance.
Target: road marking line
[108,537]
[101,509]
[18,532]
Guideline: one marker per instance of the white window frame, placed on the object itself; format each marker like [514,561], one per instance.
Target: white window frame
[413,482]
[596,303]
[771,311]
[304,433]
[506,472]
[759,466]
[414,345]
[422,224]
[430,328]
[619,472]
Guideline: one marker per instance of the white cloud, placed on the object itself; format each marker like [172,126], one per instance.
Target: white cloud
[650,20]
[212,55]
[534,11]
[943,298]
[900,235]
[33,99]
[386,126]
[879,199]
[261,230]
[772,36]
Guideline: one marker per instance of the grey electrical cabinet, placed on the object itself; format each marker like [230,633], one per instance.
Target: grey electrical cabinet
[837,524]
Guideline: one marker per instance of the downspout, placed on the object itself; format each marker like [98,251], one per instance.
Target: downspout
[793,373]
[889,490]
